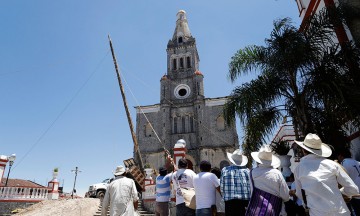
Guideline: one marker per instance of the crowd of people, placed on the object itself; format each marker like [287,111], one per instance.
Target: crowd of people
[320,186]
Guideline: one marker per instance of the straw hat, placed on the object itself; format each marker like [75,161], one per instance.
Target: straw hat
[237,158]
[313,144]
[119,170]
[266,157]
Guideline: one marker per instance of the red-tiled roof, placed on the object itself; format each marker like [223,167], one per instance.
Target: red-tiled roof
[19,183]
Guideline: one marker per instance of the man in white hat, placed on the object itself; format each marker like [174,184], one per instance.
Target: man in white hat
[121,195]
[267,178]
[235,185]
[319,179]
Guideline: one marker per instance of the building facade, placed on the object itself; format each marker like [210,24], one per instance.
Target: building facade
[343,34]
[184,112]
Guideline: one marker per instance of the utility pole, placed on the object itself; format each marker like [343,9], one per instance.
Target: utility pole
[136,145]
[76,172]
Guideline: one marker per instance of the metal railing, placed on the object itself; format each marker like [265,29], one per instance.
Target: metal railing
[23,193]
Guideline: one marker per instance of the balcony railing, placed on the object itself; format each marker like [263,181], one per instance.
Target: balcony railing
[23,193]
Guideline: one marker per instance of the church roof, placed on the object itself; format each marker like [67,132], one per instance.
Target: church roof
[19,183]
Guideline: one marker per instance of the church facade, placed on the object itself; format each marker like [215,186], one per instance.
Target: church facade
[184,112]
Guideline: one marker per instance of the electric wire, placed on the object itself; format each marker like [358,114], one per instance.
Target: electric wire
[62,111]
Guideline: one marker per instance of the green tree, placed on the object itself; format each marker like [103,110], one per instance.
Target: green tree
[302,74]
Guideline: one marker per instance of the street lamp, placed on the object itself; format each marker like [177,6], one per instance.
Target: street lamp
[11,162]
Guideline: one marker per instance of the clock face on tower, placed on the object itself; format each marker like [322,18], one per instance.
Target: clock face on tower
[182,91]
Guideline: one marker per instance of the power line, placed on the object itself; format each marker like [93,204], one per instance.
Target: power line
[62,111]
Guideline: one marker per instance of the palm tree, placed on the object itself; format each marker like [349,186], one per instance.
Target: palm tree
[303,75]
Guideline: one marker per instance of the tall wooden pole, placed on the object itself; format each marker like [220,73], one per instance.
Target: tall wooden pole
[136,145]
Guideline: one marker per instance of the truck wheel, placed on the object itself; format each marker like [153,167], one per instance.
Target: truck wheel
[100,195]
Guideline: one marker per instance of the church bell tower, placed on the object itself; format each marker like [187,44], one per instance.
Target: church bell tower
[183,81]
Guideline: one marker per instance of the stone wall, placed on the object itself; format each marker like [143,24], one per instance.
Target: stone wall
[7,207]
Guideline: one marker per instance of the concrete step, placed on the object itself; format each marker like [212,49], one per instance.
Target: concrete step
[141,211]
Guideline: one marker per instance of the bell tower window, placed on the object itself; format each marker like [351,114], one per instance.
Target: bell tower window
[180,40]
[174,64]
[181,63]
[188,62]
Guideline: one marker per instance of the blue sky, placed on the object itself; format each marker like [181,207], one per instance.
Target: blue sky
[60,100]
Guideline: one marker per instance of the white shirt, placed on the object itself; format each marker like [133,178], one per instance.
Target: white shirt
[319,177]
[205,184]
[184,177]
[352,167]
[220,203]
[270,180]
[120,195]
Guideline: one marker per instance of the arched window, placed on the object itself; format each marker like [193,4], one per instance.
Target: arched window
[220,123]
[181,63]
[188,62]
[148,130]
[174,64]
[175,125]
[191,124]
[224,163]
[180,40]
[183,124]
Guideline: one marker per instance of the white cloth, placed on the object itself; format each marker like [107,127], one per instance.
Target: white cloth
[319,177]
[270,180]
[220,203]
[205,184]
[120,195]
[352,167]
[184,177]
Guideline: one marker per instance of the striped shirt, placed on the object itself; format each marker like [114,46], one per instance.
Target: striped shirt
[235,183]
[163,188]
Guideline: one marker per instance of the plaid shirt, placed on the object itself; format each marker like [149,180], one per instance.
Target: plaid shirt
[235,183]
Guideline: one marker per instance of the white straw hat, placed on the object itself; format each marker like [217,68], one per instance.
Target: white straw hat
[313,144]
[119,170]
[266,157]
[237,158]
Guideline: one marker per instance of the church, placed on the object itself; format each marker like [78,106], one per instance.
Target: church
[184,112]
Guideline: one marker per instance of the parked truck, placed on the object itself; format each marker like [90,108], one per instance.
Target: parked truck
[98,190]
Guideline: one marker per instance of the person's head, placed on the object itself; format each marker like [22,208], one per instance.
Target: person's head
[182,164]
[237,158]
[312,144]
[266,157]
[216,171]
[342,154]
[119,171]
[205,166]
[162,171]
